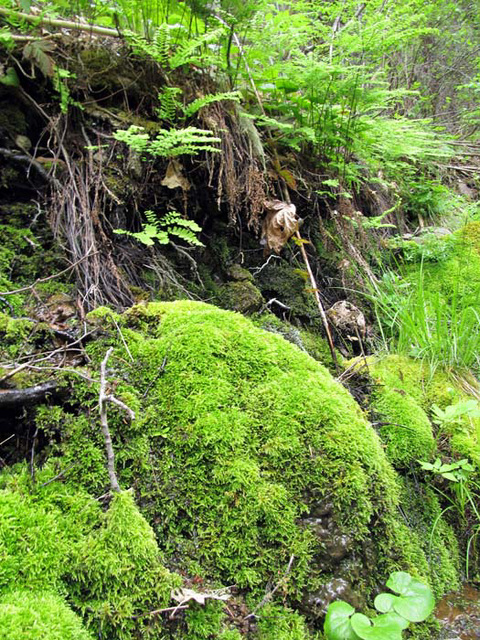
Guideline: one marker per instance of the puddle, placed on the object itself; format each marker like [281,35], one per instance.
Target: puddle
[459,614]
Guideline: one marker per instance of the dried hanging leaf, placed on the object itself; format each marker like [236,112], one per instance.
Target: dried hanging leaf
[280,223]
[174,177]
[37,52]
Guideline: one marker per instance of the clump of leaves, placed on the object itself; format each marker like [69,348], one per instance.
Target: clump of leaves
[172,224]
[414,603]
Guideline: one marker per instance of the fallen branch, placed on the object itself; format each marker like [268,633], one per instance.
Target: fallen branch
[317,298]
[105,397]
[31,395]
[62,24]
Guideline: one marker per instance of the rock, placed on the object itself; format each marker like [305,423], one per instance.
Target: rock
[236,272]
[347,318]
[241,296]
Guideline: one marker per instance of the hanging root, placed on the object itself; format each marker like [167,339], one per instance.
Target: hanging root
[77,217]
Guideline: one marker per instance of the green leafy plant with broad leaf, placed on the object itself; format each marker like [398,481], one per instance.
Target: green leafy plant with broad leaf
[414,603]
[161,230]
[464,497]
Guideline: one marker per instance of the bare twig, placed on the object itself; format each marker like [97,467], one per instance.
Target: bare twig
[317,298]
[268,596]
[55,275]
[7,439]
[105,397]
[157,611]
[59,475]
[258,270]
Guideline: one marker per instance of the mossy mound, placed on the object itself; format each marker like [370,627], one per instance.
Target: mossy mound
[245,450]
[39,616]
[56,540]
[403,427]
[420,390]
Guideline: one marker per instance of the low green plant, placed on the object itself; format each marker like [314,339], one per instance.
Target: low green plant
[454,414]
[466,495]
[169,143]
[160,230]
[414,603]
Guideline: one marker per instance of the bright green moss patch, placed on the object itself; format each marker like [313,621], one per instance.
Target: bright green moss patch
[56,538]
[117,572]
[403,427]
[39,616]
[239,436]
[420,390]
[280,623]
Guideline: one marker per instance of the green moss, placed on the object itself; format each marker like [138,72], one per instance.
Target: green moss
[238,436]
[280,623]
[424,519]
[14,334]
[404,427]
[117,573]
[242,296]
[55,538]
[38,616]
[306,340]
[403,375]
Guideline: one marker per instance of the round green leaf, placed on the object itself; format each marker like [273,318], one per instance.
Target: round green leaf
[399,581]
[384,602]
[415,608]
[416,602]
[384,627]
[337,623]
[390,620]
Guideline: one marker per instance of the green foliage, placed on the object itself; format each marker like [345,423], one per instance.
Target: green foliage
[117,572]
[414,603]
[171,224]
[38,616]
[169,143]
[404,426]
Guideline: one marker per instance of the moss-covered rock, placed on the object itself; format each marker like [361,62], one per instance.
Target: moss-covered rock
[39,616]
[403,426]
[244,452]
[241,295]
[54,538]
[422,388]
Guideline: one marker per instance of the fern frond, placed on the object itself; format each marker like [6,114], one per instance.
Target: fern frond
[169,105]
[199,103]
[190,52]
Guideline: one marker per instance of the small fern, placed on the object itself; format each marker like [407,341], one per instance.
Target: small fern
[196,51]
[169,105]
[157,48]
[169,142]
[199,103]
[171,224]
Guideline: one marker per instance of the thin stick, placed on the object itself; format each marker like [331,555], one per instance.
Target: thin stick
[55,275]
[7,439]
[271,593]
[317,298]
[156,611]
[105,397]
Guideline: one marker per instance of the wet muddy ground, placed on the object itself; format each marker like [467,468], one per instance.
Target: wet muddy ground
[459,614]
